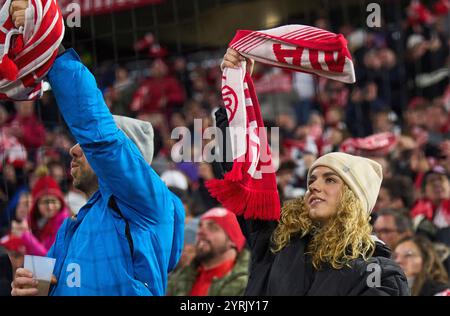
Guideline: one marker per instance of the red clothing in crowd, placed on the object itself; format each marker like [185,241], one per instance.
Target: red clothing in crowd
[32,131]
[39,239]
[157,94]
[205,277]
[426,208]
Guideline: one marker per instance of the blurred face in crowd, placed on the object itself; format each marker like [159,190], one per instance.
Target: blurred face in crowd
[3,115]
[121,74]
[323,195]
[384,164]
[435,118]
[23,207]
[382,123]
[437,187]
[84,178]
[49,205]
[408,257]
[205,171]
[57,172]
[383,200]
[333,117]
[212,241]
[159,69]
[386,229]
[24,108]
[387,57]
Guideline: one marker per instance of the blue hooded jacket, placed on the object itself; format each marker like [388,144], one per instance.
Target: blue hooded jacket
[92,252]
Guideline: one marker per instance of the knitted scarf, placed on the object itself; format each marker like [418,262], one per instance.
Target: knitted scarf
[27,53]
[250,189]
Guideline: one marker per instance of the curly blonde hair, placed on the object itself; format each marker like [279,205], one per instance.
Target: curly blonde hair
[345,237]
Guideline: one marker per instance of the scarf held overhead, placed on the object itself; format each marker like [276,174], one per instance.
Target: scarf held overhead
[27,53]
[250,188]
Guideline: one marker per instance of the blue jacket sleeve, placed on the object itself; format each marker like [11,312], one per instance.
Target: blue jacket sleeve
[115,159]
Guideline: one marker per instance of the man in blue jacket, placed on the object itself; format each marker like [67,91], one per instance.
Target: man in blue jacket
[129,235]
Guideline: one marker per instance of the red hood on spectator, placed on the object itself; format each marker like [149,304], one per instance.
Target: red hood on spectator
[44,185]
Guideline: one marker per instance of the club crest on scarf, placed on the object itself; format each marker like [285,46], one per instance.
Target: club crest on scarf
[230,101]
[250,188]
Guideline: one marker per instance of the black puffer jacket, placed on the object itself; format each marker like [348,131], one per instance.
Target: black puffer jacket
[290,271]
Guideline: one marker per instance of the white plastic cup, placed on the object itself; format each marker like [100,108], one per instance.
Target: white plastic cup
[42,269]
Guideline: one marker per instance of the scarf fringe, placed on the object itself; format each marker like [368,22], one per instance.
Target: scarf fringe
[250,203]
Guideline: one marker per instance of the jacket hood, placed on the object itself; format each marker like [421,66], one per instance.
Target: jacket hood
[140,132]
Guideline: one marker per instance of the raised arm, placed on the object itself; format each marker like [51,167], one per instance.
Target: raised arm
[118,163]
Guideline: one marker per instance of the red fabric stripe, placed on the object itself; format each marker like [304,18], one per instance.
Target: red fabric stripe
[306,35]
[336,66]
[298,32]
[314,59]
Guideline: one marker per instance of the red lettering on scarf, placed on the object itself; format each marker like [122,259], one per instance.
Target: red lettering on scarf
[281,54]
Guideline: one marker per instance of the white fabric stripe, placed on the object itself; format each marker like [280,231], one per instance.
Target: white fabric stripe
[32,95]
[36,63]
[47,6]
[42,38]
[320,36]
[4,12]
[38,18]
[298,32]
[8,40]
[262,41]
[255,41]
[309,34]
[248,102]
[304,59]
[3,29]
[243,39]
[321,60]
[28,24]
[292,32]
[249,42]
[311,31]
[305,31]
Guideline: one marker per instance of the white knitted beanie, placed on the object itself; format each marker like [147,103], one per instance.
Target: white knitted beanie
[362,175]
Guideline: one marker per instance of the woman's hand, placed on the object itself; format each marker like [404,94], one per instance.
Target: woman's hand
[232,59]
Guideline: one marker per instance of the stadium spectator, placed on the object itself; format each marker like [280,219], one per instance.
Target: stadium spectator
[392,225]
[418,259]
[220,266]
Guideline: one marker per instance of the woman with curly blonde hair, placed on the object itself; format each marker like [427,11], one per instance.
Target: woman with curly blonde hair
[322,244]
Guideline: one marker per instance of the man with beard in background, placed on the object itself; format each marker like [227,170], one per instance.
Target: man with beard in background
[220,266]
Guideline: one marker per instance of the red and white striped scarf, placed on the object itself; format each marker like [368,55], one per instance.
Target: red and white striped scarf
[250,189]
[27,53]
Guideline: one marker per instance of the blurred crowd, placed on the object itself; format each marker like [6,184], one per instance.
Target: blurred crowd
[397,113]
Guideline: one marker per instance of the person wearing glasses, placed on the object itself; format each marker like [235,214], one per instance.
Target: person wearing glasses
[392,225]
[425,273]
